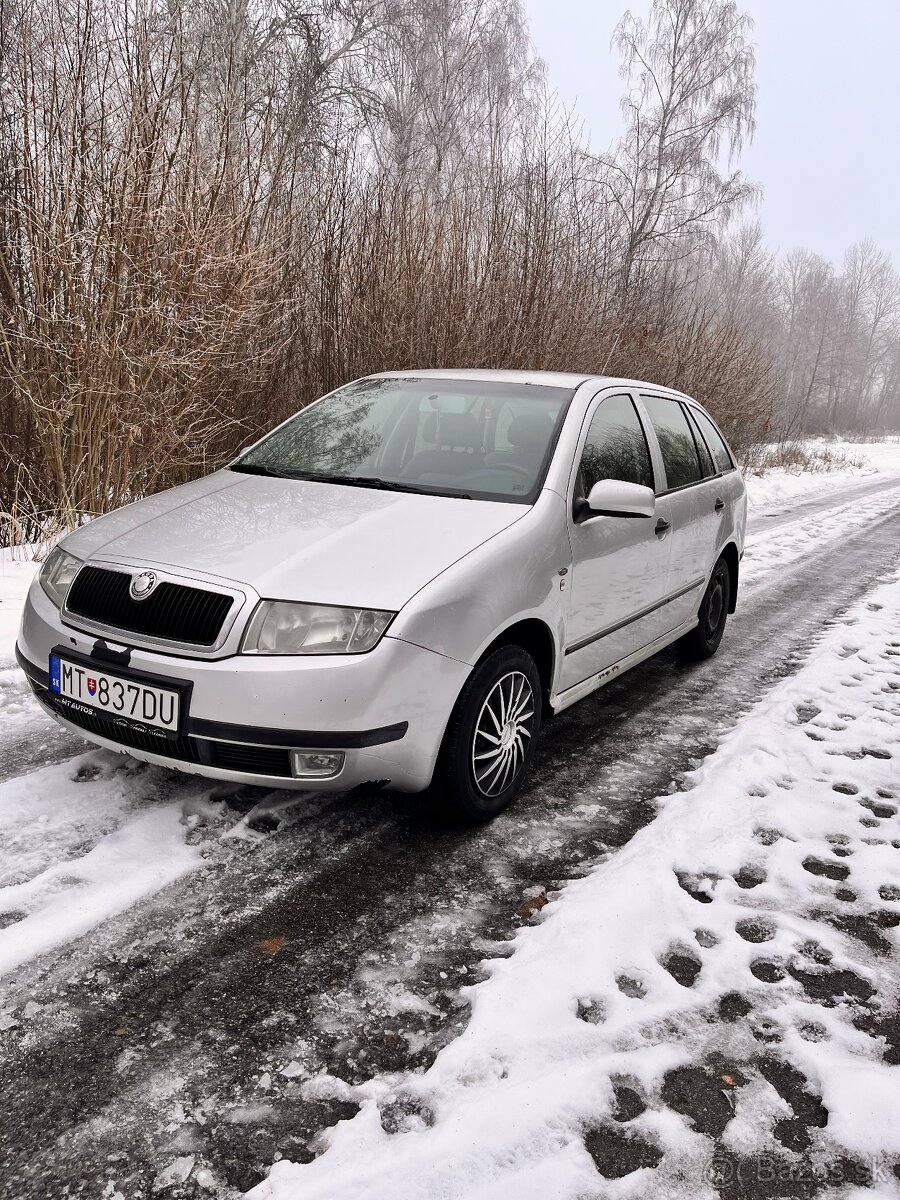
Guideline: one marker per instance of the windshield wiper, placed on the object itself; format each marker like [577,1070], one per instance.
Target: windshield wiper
[256,469]
[259,469]
[369,481]
[373,481]
[392,485]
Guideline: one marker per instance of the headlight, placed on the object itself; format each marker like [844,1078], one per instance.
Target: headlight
[57,574]
[279,627]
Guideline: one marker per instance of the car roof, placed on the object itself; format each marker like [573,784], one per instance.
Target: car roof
[566,379]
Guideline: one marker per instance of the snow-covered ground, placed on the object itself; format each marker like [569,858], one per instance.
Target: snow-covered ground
[777,548]
[854,462]
[16,573]
[18,710]
[715,999]
[49,896]
[50,893]
[594,1016]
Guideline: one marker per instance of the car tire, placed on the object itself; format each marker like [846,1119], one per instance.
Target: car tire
[490,739]
[703,641]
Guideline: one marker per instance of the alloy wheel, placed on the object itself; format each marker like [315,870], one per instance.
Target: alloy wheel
[502,731]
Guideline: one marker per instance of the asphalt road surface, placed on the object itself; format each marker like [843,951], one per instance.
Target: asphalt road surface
[334,934]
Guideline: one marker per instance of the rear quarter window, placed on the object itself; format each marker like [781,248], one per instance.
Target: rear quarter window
[713,439]
[706,460]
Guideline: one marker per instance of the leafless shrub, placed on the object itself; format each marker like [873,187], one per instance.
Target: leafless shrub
[212,212]
[794,454]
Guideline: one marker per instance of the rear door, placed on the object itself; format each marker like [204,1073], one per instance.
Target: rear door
[713,495]
[727,488]
[619,564]
[686,501]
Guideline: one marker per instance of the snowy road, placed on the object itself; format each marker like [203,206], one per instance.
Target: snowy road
[257,939]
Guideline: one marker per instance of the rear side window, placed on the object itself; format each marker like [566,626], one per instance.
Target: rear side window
[615,447]
[713,439]
[676,441]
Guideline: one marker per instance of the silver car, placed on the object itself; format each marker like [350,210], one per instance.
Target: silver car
[396,585]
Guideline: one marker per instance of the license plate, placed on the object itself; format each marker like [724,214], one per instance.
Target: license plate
[84,686]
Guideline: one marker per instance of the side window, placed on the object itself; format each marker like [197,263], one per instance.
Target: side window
[717,447]
[615,447]
[706,463]
[676,441]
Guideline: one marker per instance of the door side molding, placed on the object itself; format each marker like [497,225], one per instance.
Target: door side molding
[578,691]
[644,612]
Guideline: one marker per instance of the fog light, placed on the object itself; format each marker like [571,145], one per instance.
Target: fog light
[316,764]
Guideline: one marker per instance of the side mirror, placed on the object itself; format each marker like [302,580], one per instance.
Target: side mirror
[616,498]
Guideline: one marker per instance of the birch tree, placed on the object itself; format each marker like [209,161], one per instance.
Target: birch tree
[689,108]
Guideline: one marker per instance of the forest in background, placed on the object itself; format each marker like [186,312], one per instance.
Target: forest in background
[212,211]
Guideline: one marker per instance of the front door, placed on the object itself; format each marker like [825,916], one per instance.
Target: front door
[619,564]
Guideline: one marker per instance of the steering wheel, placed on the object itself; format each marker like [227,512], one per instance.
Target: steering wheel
[529,475]
[475,479]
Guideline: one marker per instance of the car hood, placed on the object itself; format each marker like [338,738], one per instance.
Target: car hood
[296,539]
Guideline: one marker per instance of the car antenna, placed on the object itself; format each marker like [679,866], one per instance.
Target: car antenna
[611,352]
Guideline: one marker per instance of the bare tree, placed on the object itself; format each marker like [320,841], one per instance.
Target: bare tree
[689,109]
[447,76]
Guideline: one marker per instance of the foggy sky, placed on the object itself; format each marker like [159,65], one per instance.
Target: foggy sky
[827,145]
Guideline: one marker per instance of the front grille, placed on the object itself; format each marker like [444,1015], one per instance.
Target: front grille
[173,612]
[231,756]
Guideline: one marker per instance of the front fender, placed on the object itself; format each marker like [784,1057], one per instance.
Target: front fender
[514,576]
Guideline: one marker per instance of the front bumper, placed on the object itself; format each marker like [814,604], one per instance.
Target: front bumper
[385,710]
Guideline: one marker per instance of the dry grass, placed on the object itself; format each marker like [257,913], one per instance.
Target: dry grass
[207,222]
[797,454]
[177,277]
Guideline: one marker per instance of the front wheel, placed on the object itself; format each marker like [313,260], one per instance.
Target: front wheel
[703,641]
[490,740]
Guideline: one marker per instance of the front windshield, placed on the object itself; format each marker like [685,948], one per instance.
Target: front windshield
[455,437]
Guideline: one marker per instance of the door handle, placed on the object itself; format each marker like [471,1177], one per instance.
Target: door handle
[720,504]
[662,526]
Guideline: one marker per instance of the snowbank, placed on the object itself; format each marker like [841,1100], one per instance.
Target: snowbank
[16,574]
[778,486]
[741,949]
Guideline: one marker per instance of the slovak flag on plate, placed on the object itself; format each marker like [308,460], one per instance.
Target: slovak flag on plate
[92,686]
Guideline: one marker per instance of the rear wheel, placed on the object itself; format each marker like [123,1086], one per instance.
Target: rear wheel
[490,740]
[703,641]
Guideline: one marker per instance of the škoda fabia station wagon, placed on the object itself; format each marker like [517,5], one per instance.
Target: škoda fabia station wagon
[396,585]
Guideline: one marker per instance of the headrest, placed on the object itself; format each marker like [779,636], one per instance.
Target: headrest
[529,433]
[429,429]
[454,429]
